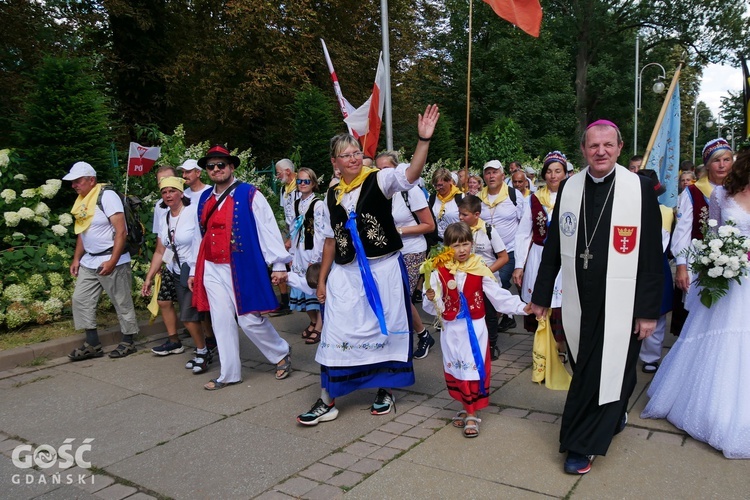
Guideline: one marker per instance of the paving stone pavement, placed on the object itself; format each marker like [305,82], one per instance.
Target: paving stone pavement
[157,434]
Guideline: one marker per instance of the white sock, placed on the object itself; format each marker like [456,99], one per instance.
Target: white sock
[325,397]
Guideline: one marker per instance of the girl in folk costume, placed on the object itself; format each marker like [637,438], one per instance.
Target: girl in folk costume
[306,236]
[444,203]
[530,238]
[692,213]
[365,341]
[490,247]
[455,286]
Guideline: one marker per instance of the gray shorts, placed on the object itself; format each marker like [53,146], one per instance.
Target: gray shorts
[184,296]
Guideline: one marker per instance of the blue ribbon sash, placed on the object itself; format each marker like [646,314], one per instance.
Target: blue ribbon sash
[473,341]
[371,289]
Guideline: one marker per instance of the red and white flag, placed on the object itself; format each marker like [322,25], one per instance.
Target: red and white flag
[346,107]
[365,121]
[141,158]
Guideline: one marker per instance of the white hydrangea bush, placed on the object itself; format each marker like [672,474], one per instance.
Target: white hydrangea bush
[36,247]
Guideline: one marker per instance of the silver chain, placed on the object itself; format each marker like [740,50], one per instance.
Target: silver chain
[585,225]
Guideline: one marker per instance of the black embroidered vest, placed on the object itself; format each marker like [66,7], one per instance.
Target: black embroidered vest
[374,223]
[308,224]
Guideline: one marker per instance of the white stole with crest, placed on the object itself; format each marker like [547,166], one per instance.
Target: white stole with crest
[622,267]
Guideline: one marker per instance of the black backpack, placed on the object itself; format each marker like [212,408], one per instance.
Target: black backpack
[131,206]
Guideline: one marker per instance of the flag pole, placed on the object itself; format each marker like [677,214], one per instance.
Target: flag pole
[663,111]
[387,64]
[468,90]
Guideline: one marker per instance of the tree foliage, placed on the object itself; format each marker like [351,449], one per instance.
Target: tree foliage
[66,119]
[312,128]
[230,71]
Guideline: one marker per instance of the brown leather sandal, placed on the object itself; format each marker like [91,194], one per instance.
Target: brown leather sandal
[308,331]
[314,338]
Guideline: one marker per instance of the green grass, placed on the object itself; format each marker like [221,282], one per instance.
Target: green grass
[38,361]
[33,334]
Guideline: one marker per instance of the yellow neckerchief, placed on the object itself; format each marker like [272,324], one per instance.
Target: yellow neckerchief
[83,209]
[705,186]
[526,193]
[485,197]
[291,186]
[479,225]
[473,265]
[344,187]
[445,199]
[544,195]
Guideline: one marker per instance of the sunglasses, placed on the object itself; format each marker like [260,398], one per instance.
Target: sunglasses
[220,165]
[303,181]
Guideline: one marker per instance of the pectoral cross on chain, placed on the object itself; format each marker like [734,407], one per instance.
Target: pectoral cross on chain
[586,256]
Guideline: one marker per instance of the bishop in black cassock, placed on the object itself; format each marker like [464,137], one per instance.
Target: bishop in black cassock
[588,426]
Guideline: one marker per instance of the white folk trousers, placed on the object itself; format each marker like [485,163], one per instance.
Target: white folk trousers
[217,279]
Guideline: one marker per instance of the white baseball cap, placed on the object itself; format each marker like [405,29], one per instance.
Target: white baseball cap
[190,165]
[78,170]
[493,164]
[530,171]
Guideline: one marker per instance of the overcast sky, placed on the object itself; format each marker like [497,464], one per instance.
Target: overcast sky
[717,81]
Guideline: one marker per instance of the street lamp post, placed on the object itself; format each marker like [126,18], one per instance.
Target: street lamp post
[730,129]
[657,88]
[709,124]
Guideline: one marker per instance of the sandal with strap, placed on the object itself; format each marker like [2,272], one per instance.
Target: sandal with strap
[122,350]
[314,338]
[215,385]
[285,367]
[471,424]
[308,331]
[86,351]
[460,419]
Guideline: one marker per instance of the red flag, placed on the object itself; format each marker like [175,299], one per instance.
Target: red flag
[141,158]
[526,14]
[365,121]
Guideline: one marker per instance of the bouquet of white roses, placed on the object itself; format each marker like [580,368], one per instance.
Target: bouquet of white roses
[720,257]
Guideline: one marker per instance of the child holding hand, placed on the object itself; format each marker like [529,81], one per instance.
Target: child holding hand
[457,283]
[490,247]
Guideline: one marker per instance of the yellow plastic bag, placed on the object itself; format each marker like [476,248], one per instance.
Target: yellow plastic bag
[153,306]
[547,366]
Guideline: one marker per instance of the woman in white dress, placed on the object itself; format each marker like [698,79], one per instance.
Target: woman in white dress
[307,240]
[530,238]
[366,341]
[701,387]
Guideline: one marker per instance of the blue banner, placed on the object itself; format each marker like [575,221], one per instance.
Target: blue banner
[664,158]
